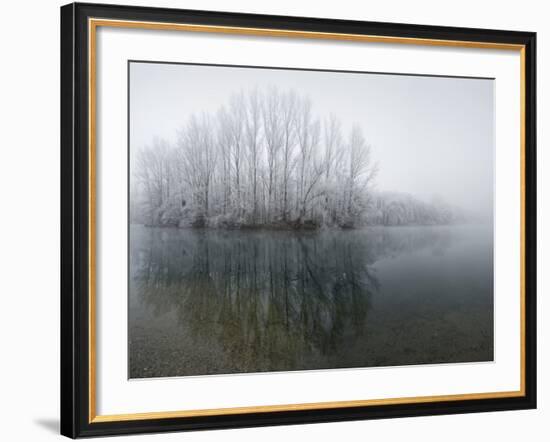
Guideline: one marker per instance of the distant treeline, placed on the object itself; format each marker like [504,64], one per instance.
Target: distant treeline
[264,159]
[397,209]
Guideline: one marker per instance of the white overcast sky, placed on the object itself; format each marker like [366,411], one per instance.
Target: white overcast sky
[431,136]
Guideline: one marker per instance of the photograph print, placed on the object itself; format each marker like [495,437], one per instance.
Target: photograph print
[294,219]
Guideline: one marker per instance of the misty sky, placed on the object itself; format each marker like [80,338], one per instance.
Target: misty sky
[432,137]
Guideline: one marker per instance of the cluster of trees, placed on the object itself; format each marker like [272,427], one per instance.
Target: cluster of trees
[263,159]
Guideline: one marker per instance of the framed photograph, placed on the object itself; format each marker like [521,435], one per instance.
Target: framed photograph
[275,220]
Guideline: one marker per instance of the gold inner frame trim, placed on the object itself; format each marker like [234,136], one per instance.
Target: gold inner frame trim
[93,24]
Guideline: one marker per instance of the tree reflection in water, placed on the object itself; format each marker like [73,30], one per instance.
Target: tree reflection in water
[205,302]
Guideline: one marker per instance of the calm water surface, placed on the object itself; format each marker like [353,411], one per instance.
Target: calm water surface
[211,302]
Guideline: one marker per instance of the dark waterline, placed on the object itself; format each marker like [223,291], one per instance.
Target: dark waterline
[213,301]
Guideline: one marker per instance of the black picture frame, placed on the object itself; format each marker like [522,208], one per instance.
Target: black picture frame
[75,220]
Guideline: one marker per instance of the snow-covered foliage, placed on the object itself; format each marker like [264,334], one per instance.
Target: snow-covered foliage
[263,159]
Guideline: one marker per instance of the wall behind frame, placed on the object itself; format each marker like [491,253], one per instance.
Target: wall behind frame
[29,221]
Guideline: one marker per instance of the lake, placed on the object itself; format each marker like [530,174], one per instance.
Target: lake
[231,301]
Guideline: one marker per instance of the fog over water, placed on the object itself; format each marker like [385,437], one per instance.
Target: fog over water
[432,137]
[206,301]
